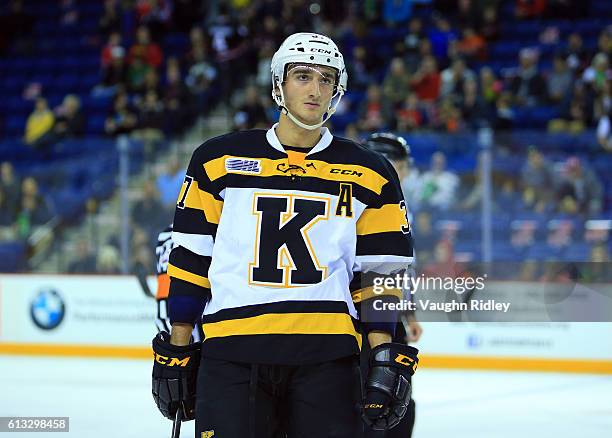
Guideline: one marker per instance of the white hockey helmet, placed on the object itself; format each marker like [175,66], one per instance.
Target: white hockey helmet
[308,48]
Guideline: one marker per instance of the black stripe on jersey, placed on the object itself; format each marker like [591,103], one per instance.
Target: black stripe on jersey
[184,288]
[280,307]
[188,261]
[288,349]
[309,184]
[193,221]
[384,244]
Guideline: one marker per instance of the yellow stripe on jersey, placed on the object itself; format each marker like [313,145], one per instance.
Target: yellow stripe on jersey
[354,173]
[388,218]
[201,200]
[187,276]
[368,292]
[284,324]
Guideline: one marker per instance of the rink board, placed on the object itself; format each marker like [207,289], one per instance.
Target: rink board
[110,316]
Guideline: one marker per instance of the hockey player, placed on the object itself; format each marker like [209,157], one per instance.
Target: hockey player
[279,234]
[395,149]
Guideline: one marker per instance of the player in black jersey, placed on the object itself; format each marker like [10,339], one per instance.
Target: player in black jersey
[395,149]
[279,236]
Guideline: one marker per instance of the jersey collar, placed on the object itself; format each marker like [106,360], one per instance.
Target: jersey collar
[325,141]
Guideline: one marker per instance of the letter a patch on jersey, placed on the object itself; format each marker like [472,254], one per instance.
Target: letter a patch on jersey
[208,434]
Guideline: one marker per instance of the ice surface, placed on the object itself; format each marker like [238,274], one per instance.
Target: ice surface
[112,398]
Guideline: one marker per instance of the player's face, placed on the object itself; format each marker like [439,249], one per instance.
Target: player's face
[308,90]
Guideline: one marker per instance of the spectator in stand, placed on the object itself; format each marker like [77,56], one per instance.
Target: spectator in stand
[122,119]
[360,71]
[490,87]
[150,122]
[490,27]
[579,191]
[8,212]
[537,180]
[426,80]
[473,109]
[197,40]
[449,117]
[144,50]
[110,22]
[149,214]
[428,237]
[559,81]
[528,86]
[137,72]
[264,58]
[530,8]
[604,131]
[413,62]
[108,260]
[374,113]
[151,83]
[472,46]
[412,41]
[504,114]
[441,37]
[85,260]
[178,104]
[409,116]
[396,12]
[34,208]
[11,184]
[169,183]
[396,85]
[116,73]
[469,14]
[270,34]
[155,14]
[70,121]
[199,78]
[39,123]
[439,186]
[596,76]
[576,112]
[453,78]
[576,55]
[604,41]
[251,114]
[110,49]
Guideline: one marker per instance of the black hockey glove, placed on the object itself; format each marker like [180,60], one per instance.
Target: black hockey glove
[175,371]
[388,390]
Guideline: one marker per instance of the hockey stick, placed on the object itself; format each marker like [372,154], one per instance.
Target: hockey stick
[176,424]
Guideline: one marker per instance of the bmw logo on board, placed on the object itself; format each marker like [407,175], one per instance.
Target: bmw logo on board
[47,309]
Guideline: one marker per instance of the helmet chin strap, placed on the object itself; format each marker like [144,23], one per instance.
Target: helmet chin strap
[330,111]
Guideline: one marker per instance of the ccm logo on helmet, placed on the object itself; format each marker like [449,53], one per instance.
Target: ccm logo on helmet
[322,51]
[171,361]
[346,172]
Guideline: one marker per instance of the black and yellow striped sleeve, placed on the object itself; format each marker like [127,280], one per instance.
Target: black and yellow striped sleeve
[384,238]
[197,215]
[384,249]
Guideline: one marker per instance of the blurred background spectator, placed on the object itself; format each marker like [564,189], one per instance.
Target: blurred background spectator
[100,97]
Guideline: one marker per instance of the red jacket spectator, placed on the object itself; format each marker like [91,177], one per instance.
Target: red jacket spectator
[426,81]
[147,51]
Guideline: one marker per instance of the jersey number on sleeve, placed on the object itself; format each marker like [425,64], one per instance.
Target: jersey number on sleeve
[187,185]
